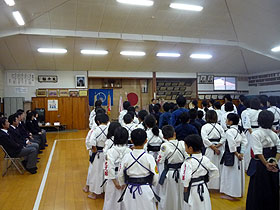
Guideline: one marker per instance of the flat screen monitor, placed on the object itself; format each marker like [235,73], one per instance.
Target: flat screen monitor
[224,83]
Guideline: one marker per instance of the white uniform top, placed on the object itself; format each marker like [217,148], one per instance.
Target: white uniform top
[108,145]
[170,152]
[234,109]
[136,121]
[212,131]
[276,112]
[122,113]
[204,113]
[235,139]
[139,125]
[264,138]
[190,165]
[219,115]
[136,170]
[249,118]
[224,120]
[154,140]
[88,144]
[99,136]
[92,118]
[129,127]
[211,108]
[113,159]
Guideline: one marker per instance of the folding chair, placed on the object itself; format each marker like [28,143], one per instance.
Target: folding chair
[14,162]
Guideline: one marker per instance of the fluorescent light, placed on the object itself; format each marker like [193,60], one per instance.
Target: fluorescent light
[10,2]
[201,56]
[133,53]
[146,3]
[94,52]
[18,18]
[186,7]
[276,49]
[52,50]
[174,55]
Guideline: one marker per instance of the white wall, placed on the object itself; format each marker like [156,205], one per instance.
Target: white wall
[66,79]
[2,79]
[269,90]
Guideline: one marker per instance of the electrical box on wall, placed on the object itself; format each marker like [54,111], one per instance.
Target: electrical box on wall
[48,78]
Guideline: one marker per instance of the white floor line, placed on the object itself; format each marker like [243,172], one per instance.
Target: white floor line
[71,139]
[43,182]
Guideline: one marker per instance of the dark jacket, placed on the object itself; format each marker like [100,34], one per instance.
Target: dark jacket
[36,125]
[14,133]
[31,128]
[183,130]
[9,144]
[22,130]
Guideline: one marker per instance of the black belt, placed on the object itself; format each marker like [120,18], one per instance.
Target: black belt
[255,126]
[136,183]
[200,187]
[214,140]
[276,123]
[175,175]
[99,148]
[153,148]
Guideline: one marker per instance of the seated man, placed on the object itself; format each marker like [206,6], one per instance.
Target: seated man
[14,133]
[16,150]
[27,135]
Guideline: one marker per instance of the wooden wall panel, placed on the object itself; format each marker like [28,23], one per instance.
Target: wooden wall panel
[80,112]
[72,111]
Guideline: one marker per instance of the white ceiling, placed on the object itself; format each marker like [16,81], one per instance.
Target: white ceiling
[256,23]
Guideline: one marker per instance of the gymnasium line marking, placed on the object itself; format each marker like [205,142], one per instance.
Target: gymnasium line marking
[44,180]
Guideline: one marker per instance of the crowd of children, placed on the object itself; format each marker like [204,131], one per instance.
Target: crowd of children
[169,161]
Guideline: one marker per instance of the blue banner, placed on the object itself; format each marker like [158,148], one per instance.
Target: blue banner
[100,94]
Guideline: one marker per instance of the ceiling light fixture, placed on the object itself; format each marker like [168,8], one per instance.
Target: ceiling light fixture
[276,49]
[52,50]
[133,53]
[173,55]
[146,3]
[10,2]
[201,56]
[94,52]
[188,7]
[18,18]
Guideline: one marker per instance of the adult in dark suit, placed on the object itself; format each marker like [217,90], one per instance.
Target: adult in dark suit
[16,150]
[14,133]
[26,134]
[151,106]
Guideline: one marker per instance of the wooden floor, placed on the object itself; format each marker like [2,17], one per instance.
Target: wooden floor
[66,178]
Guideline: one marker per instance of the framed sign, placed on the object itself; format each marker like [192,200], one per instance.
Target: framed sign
[63,93]
[206,79]
[80,81]
[83,93]
[41,92]
[52,93]
[52,105]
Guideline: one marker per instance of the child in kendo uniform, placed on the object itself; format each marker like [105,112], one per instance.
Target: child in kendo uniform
[196,171]
[172,154]
[113,158]
[110,136]
[263,191]
[154,136]
[126,105]
[97,142]
[138,172]
[93,113]
[249,118]
[89,148]
[271,103]
[233,171]
[141,116]
[213,137]
[128,125]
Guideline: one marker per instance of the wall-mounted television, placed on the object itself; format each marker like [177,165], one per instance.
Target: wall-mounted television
[225,83]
